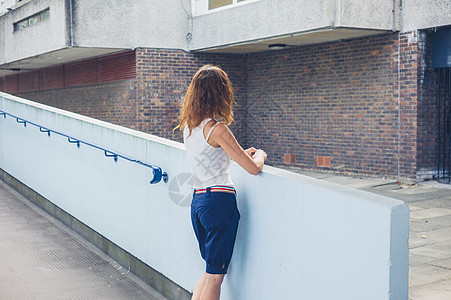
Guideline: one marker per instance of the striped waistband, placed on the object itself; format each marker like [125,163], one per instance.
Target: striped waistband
[216,188]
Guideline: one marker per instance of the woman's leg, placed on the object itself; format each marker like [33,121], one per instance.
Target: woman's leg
[212,286]
[208,287]
[199,287]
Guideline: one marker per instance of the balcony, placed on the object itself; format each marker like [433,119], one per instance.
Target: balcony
[76,30]
[253,26]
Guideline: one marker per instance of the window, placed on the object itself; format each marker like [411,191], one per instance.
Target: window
[212,4]
[21,24]
[204,6]
[32,20]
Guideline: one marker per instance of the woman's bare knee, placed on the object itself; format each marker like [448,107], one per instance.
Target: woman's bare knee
[215,278]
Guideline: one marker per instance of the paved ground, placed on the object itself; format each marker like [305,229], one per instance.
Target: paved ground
[40,258]
[430,231]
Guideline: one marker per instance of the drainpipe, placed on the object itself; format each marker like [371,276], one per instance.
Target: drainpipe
[399,89]
[393,16]
[336,14]
[69,23]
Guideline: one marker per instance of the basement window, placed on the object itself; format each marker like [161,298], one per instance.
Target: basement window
[32,20]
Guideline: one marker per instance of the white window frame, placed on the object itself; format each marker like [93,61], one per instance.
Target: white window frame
[200,7]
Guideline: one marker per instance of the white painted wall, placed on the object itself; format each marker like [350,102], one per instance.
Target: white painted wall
[299,238]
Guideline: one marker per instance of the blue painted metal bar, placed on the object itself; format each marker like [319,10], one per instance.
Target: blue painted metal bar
[158,173]
[44,130]
[21,122]
[107,154]
[73,141]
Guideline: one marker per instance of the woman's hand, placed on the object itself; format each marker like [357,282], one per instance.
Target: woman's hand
[260,153]
[251,151]
[252,160]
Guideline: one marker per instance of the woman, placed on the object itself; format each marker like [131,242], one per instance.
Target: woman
[205,114]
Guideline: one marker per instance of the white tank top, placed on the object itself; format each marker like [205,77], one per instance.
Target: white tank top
[209,165]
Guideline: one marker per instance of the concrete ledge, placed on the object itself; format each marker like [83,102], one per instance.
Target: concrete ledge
[156,280]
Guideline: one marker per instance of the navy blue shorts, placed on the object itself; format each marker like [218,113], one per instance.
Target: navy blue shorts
[215,218]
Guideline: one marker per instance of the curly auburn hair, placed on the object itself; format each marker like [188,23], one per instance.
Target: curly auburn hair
[209,95]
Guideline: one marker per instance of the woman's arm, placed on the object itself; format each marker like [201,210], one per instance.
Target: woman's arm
[252,160]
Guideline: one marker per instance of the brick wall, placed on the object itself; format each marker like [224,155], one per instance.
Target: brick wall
[112,102]
[336,100]
[409,57]
[163,77]
[151,101]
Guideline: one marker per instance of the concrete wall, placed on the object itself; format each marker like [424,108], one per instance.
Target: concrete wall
[259,20]
[2,39]
[299,238]
[366,14]
[263,19]
[4,4]
[91,24]
[130,24]
[46,36]
[165,24]
[419,14]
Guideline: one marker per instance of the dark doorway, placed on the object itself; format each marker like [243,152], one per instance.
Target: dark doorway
[444,125]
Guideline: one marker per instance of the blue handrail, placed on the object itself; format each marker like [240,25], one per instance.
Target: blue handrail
[158,173]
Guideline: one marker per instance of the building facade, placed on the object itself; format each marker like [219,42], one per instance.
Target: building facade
[335,85]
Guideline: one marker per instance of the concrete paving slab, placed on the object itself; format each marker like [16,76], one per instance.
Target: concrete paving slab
[435,184]
[415,208]
[415,260]
[444,263]
[428,213]
[435,291]
[441,235]
[413,190]
[410,194]
[418,239]
[357,183]
[427,274]
[443,202]
[43,259]
[412,198]
[430,224]
[436,251]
